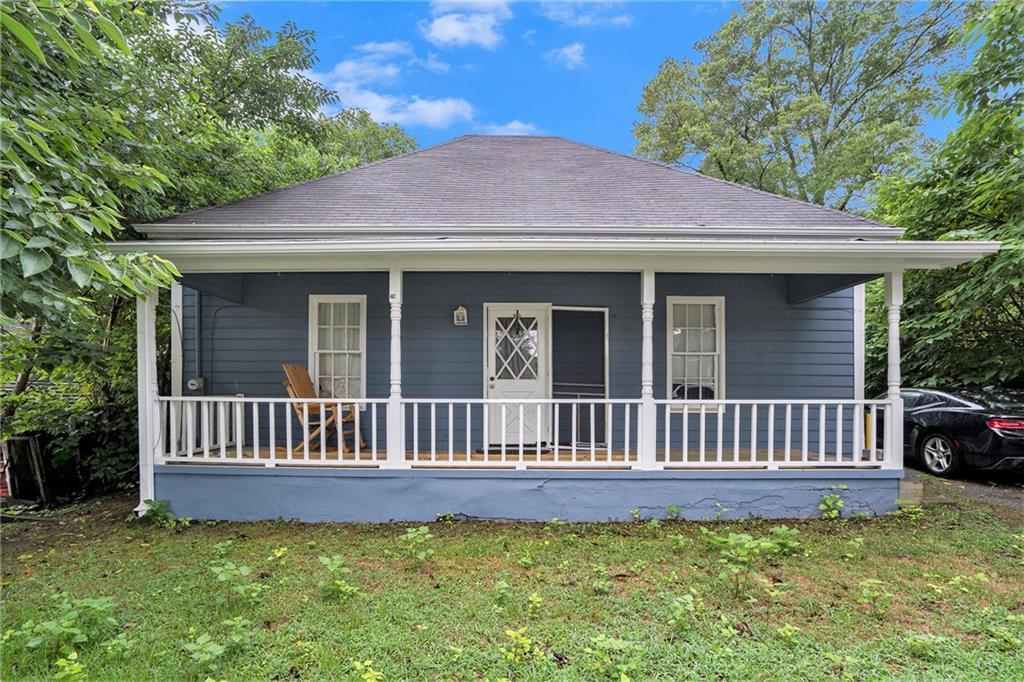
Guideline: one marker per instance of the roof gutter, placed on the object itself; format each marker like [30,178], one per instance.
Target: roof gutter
[673,255]
[354,231]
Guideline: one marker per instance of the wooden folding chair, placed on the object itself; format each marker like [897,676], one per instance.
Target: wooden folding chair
[299,385]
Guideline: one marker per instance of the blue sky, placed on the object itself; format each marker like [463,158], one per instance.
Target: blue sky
[444,69]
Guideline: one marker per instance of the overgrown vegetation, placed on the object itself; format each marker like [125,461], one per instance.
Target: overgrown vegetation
[120,113]
[930,596]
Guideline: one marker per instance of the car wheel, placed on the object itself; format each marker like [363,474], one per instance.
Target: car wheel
[938,454]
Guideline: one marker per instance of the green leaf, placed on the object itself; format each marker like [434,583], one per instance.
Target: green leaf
[9,247]
[51,31]
[112,32]
[22,34]
[86,37]
[38,243]
[34,261]
[81,275]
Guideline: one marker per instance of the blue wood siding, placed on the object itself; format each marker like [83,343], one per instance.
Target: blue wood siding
[773,349]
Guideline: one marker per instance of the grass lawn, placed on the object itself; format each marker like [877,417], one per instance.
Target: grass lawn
[937,594]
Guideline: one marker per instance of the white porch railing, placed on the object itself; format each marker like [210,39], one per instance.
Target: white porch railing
[270,431]
[774,434]
[522,434]
[580,432]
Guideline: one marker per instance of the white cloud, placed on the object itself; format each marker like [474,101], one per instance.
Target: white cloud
[570,56]
[513,127]
[460,30]
[360,70]
[391,47]
[432,113]
[428,112]
[432,63]
[584,14]
[499,8]
[458,24]
[357,82]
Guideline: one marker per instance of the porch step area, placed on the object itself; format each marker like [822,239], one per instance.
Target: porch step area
[583,458]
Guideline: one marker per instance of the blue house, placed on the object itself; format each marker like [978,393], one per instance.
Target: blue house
[521,328]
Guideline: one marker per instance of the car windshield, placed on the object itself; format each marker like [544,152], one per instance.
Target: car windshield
[1003,399]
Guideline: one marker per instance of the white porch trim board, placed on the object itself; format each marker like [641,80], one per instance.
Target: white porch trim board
[859,310]
[150,428]
[396,421]
[648,409]
[507,254]
[893,302]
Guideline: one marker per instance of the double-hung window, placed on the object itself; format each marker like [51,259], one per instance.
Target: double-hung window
[337,345]
[696,347]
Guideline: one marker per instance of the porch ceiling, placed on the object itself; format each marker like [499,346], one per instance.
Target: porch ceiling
[524,254]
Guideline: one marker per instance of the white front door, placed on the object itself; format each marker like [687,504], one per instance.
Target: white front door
[516,368]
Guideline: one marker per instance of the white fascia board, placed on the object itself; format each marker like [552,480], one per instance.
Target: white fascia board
[353,231]
[599,255]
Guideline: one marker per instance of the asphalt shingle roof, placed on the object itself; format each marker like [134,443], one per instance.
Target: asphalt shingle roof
[490,181]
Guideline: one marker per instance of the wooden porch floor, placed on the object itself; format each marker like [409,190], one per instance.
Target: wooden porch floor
[601,458]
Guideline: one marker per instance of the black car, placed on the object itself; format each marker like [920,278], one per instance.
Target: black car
[976,429]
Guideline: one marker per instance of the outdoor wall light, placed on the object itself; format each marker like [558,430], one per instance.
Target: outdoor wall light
[460,318]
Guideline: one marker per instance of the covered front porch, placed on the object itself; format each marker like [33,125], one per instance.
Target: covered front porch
[517,370]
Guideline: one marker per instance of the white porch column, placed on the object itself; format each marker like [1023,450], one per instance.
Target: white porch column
[396,416]
[894,422]
[149,415]
[648,409]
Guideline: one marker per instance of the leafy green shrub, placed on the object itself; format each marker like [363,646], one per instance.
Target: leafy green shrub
[520,648]
[238,577]
[365,671]
[68,667]
[908,510]
[739,553]
[602,581]
[336,586]
[75,622]
[612,659]
[874,594]
[673,512]
[922,646]
[416,542]
[204,650]
[158,512]
[831,505]
[787,633]
[684,612]
[533,605]
[502,595]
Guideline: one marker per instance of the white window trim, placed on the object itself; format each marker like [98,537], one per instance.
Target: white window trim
[314,364]
[719,303]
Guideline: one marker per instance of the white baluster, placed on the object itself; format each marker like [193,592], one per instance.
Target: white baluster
[821,433]
[753,433]
[703,430]
[839,433]
[305,431]
[272,424]
[173,421]
[255,430]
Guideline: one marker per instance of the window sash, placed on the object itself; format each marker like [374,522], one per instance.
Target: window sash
[337,345]
[696,354]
